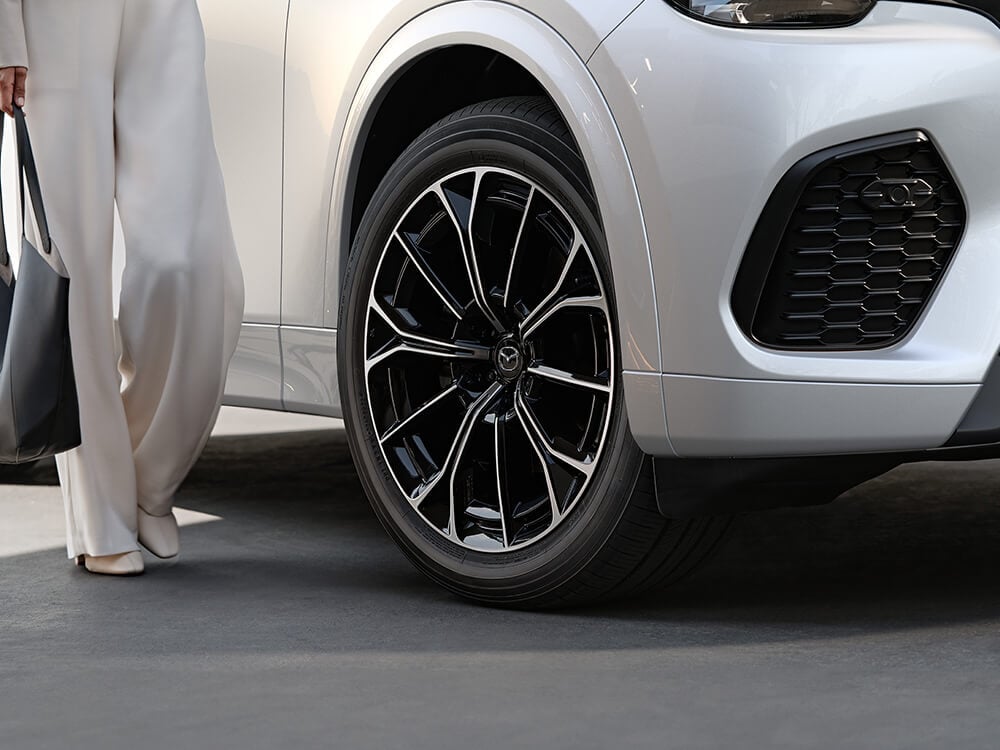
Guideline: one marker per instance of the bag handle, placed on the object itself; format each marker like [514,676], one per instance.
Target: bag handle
[27,170]
[4,254]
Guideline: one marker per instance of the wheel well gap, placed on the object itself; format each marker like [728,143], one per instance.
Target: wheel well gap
[431,87]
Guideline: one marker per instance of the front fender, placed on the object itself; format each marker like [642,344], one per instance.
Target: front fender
[565,78]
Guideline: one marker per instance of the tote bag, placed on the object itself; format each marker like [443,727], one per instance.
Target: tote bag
[39,412]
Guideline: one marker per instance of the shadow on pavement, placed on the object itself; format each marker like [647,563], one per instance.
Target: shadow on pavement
[299,563]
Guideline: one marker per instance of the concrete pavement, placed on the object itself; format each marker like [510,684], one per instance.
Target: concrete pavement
[291,621]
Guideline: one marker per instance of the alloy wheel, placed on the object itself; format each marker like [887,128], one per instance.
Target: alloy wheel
[489,359]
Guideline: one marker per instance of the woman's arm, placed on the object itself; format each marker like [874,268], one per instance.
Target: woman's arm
[13,55]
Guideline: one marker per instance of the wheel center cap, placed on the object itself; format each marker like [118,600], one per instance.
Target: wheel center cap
[508,359]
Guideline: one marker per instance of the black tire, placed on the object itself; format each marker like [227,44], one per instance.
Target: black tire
[611,541]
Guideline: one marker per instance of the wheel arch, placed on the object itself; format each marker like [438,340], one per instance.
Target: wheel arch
[410,103]
[543,59]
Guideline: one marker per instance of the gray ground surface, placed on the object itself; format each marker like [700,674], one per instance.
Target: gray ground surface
[293,622]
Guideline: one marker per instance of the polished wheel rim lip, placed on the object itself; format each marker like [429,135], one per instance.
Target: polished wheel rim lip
[503,375]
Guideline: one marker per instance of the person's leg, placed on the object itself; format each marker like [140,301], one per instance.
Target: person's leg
[182,291]
[72,47]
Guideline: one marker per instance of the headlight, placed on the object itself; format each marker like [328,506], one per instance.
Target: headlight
[777,12]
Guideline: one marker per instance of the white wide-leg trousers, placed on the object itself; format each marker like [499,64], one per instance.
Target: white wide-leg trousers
[118,112]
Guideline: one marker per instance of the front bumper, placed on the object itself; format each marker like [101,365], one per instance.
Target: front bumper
[712,118]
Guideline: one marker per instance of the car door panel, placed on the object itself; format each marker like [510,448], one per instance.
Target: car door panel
[245,61]
[245,64]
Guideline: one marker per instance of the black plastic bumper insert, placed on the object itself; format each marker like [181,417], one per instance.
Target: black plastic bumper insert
[850,247]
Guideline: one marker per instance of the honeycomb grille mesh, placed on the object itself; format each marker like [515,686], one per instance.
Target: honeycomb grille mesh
[863,251]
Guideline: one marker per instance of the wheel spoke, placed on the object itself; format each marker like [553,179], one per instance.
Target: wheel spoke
[456,452]
[544,462]
[517,247]
[428,346]
[500,460]
[528,323]
[430,277]
[524,411]
[569,378]
[545,313]
[417,413]
[472,415]
[469,249]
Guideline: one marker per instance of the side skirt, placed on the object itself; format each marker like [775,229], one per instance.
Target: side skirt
[285,368]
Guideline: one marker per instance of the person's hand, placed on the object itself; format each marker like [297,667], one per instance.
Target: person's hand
[12,88]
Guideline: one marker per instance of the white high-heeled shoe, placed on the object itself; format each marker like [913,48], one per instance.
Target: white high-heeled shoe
[125,564]
[159,534]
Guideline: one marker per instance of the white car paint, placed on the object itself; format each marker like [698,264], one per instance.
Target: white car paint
[686,128]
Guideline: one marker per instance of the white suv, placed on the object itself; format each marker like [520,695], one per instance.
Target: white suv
[583,276]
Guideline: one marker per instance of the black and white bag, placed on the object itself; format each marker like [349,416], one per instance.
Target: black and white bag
[39,411]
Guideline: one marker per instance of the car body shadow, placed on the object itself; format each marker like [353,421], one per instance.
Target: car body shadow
[298,561]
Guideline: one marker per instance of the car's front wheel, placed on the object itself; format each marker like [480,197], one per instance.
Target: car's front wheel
[480,365]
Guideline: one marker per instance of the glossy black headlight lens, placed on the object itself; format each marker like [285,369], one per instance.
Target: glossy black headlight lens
[797,13]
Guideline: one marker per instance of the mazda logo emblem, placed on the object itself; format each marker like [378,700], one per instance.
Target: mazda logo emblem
[898,193]
[509,358]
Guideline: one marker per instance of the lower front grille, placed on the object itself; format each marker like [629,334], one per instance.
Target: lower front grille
[850,247]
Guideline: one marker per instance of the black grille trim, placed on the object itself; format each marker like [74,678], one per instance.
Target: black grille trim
[830,267]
